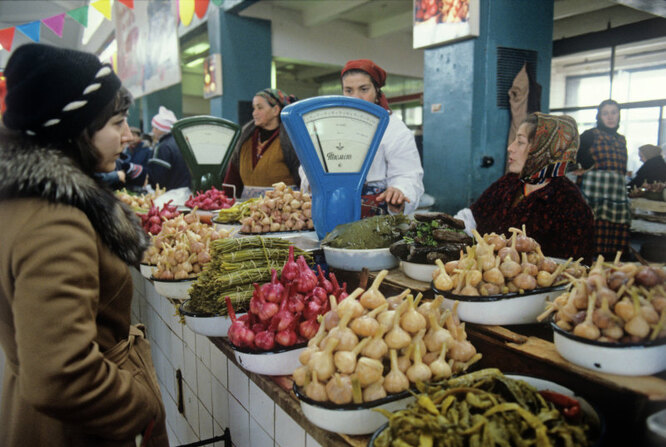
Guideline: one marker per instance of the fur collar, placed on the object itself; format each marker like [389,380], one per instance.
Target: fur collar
[49,174]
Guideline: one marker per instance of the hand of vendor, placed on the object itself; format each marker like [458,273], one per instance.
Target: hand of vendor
[394,198]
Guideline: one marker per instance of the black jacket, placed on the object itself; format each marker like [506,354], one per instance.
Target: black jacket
[653,170]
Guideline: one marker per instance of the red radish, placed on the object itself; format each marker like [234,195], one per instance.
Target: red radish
[290,269]
[239,334]
[308,328]
[323,282]
[306,280]
[274,290]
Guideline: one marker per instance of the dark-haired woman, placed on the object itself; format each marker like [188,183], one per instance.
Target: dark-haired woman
[77,373]
[264,154]
[603,157]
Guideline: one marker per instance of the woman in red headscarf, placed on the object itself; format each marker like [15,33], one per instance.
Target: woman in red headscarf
[395,178]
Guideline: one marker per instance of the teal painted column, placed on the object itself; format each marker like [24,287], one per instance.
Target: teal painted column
[462,77]
[245,46]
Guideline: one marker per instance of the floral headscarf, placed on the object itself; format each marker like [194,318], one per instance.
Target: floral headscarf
[276,97]
[554,145]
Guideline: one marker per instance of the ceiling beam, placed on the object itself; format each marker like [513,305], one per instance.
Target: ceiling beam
[318,12]
[390,25]
[567,8]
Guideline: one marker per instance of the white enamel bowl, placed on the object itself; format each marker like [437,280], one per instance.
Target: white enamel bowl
[175,288]
[419,272]
[351,419]
[146,270]
[354,260]
[206,324]
[593,417]
[627,359]
[278,362]
[510,308]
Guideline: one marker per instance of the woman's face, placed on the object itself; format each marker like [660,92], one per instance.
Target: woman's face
[359,85]
[265,115]
[518,150]
[110,140]
[610,115]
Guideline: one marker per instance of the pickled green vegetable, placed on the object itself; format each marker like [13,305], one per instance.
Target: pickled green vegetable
[369,233]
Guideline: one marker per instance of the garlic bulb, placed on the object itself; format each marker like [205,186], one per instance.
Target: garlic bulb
[373,298]
[436,335]
[440,368]
[395,381]
[321,362]
[376,347]
[366,325]
[351,305]
[374,391]
[411,320]
[418,372]
[315,390]
[345,361]
[369,370]
[397,337]
[339,389]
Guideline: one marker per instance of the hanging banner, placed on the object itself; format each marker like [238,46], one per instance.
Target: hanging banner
[148,54]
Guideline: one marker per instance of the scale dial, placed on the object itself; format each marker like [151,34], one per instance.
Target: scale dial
[341,137]
[208,142]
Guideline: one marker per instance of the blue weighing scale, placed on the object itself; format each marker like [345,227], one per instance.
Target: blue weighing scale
[335,138]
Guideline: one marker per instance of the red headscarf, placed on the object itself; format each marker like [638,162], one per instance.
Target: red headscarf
[375,72]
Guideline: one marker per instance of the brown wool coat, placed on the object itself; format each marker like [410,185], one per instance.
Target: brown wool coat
[71,378]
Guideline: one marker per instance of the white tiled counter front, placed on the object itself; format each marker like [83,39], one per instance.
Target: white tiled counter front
[216,392]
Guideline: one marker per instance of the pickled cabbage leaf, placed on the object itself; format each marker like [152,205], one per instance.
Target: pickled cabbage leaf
[372,232]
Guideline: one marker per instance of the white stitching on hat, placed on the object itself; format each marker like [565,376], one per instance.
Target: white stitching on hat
[51,122]
[30,132]
[104,71]
[74,105]
[91,88]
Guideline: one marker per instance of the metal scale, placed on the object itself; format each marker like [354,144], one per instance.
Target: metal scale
[335,138]
[206,143]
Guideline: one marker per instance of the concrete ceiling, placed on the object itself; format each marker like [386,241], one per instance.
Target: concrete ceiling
[378,17]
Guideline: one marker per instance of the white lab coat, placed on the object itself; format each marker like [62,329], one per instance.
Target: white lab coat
[396,164]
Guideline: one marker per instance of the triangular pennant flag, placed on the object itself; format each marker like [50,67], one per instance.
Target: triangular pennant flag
[201,8]
[186,9]
[80,15]
[128,3]
[7,38]
[31,30]
[218,2]
[55,23]
[103,6]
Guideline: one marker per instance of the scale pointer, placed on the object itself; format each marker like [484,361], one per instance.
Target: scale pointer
[321,151]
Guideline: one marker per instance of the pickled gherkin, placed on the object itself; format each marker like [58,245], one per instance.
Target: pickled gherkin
[483,408]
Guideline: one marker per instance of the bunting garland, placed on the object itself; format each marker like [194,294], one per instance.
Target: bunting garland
[186,9]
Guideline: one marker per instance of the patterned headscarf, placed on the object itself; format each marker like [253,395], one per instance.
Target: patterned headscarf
[376,73]
[276,97]
[554,145]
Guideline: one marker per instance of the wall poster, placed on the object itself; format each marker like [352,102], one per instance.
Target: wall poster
[148,51]
[444,21]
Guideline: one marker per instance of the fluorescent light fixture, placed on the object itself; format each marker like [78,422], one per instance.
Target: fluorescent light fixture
[195,62]
[197,49]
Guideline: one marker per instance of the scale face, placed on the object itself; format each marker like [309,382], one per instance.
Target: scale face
[206,143]
[335,138]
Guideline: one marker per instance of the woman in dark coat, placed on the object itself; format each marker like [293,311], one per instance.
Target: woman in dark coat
[653,168]
[77,372]
[535,192]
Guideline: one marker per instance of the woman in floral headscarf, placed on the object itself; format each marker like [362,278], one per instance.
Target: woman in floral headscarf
[264,154]
[535,192]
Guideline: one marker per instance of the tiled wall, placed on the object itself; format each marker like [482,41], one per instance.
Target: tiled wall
[217,393]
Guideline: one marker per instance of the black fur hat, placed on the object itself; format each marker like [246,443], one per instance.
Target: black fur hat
[55,92]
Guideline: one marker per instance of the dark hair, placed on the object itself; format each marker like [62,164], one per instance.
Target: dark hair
[82,150]
[604,103]
[532,121]
[374,84]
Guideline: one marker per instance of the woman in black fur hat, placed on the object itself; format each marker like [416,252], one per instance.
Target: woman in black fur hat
[78,374]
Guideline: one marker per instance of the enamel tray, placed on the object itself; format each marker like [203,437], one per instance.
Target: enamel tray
[206,324]
[354,260]
[351,419]
[278,362]
[175,288]
[510,308]
[627,359]
[146,270]
[419,272]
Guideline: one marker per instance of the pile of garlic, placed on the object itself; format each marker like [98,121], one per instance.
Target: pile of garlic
[369,346]
[497,266]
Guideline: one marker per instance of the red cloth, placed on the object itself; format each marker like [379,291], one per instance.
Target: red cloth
[556,216]
[376,72]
